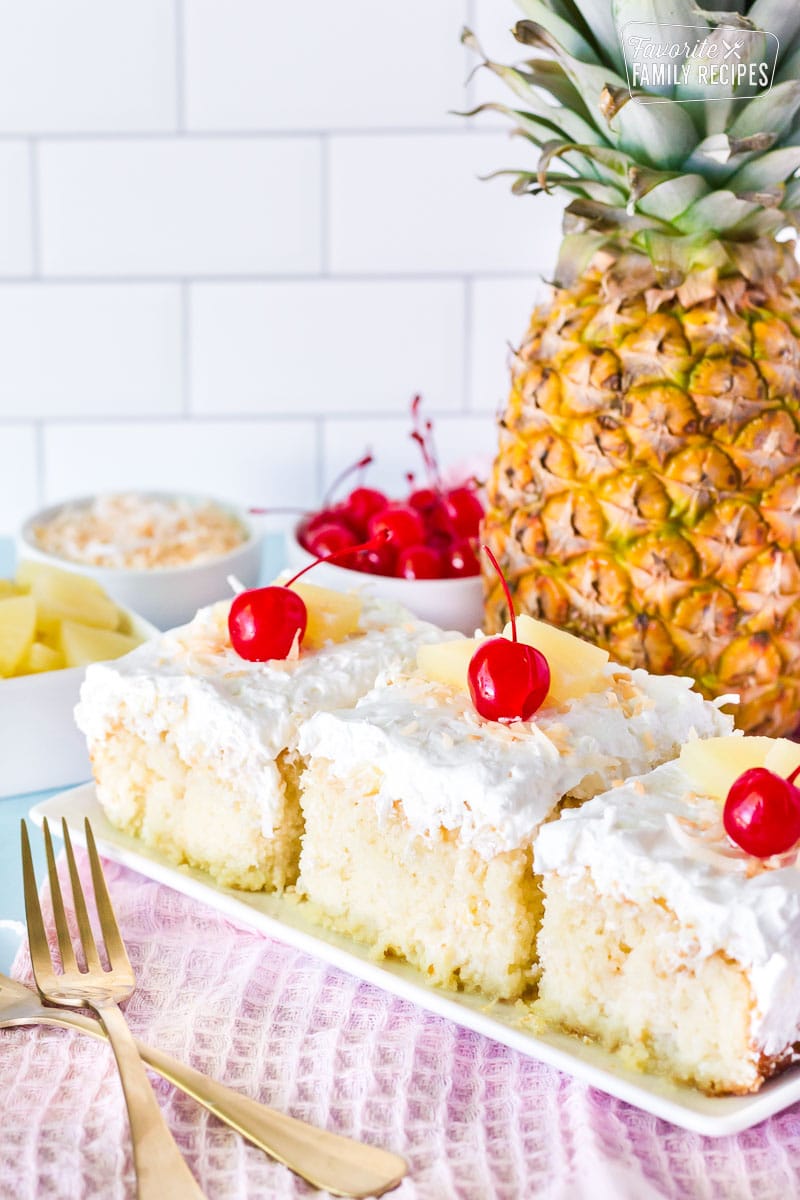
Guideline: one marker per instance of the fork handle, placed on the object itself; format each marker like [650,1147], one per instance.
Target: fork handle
[336,1164]
[160,1167]
[339,1165]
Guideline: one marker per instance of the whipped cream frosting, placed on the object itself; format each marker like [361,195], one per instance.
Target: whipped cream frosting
[494,782]
[191,684]
[750,914]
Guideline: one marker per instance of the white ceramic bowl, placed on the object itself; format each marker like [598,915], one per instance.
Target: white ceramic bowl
[450,603]
[166,596]
[40,744]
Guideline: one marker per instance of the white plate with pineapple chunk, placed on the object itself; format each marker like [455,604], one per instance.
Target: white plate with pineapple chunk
[53,623]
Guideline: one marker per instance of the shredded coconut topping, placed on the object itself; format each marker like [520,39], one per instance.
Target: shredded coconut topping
[135,531]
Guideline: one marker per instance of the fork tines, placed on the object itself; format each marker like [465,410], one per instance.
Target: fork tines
[40,950]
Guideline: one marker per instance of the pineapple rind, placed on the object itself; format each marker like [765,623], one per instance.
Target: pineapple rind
[646,494]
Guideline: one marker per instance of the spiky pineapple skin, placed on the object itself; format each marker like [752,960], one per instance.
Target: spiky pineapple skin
[646,492]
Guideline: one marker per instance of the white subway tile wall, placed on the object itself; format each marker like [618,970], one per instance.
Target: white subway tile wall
[238,236]
[83,350]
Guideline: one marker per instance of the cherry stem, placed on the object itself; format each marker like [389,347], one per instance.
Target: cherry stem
[791,778]
[506,589]
[345,474]
[372,544]
[423,436]
[265,512]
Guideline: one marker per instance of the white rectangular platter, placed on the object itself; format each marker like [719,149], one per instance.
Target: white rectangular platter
[287,919]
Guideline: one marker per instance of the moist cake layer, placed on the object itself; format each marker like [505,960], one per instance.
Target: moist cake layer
[460,918]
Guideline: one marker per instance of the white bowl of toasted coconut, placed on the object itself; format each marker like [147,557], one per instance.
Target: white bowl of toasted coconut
[162,554]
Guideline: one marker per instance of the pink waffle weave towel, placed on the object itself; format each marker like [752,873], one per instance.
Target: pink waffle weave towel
[475,1120]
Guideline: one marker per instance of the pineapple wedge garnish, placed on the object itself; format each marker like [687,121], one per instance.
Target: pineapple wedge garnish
[83,644]
[783,757]
[714,764]
[17,631]
[66,596]
[332,616]
[576,667]
[447,662]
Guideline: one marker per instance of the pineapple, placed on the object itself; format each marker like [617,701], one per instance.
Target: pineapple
[783,757]
[332,616]
[448,662]
[714,764]
[39,659]
[576,667]
[17,631]
[66,596]
[646,492]
[84,644]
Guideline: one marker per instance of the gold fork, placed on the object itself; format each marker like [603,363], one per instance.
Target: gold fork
[160,1168]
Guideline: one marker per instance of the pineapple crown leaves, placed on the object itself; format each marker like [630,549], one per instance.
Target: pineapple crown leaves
[692,186]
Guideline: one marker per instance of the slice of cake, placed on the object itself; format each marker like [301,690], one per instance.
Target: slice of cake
[420,814]
[194,749]
[663,938]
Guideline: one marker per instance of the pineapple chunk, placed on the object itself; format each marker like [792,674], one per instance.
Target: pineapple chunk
[783,757]
[66,596]
[576,666]
[9,588]
[17,631]
[41,658]
[713,764]
[84,644]
[332,616]
[447,662]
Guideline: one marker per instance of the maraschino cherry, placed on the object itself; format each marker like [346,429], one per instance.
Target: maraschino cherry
[331,537]
[419,562]
[762,812]
[403,524]
[265,623]
[464,510]
[461,560]
[508,680]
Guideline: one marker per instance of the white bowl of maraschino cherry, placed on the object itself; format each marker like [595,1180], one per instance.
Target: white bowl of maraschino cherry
[425,551]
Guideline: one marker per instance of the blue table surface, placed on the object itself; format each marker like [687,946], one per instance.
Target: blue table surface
[13,808]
